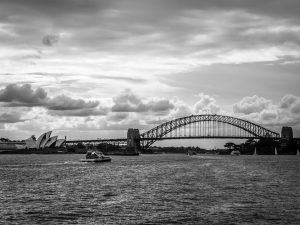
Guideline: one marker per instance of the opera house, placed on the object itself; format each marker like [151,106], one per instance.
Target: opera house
[44,141]
[44,144]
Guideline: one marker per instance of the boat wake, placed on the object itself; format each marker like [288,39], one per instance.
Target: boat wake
[41,164]
[214,157]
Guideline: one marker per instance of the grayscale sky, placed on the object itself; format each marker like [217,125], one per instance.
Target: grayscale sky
[93,68]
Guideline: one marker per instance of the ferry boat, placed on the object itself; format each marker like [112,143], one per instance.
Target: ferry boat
[93,156]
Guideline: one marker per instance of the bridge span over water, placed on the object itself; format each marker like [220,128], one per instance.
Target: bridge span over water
[192,127]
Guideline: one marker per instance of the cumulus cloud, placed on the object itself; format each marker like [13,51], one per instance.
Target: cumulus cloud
[50,39]
[263,111]
[63,105]
[10,118]
[84,112]
[117,116]
[14,95]
[269,116]
[159,105]
[181,109]
[206,104]
[251,104]
[63,102]
[127,101]
[24,95]
[291,103]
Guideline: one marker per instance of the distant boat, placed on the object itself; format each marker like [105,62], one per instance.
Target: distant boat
[190,153]
[93,156]
[235,152]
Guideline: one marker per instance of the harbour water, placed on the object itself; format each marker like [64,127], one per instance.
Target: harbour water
[150,189]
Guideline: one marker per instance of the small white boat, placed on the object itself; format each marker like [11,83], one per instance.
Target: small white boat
[93,156]
[235,152]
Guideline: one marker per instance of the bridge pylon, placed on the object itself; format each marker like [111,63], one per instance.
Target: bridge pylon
[133,139]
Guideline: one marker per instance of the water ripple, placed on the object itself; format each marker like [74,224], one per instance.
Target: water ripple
[150,189]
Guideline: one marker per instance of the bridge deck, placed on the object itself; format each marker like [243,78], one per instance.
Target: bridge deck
[210,137]
[145,139]
[97,140]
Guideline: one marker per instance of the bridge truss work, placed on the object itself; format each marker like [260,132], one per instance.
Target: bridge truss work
[192,127]
[189,127]
[206,126]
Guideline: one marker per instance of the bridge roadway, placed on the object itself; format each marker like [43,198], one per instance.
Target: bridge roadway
[142,139]
[166,138]
[194,127]
[96,141]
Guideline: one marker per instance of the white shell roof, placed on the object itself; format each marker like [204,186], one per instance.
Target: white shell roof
[51,141]
[39,140]
[59,142]
[45,140]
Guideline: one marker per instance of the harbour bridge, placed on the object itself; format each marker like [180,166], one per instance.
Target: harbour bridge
[191,127]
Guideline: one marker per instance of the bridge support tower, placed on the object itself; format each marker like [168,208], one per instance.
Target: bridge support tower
[287,133]
[133,140]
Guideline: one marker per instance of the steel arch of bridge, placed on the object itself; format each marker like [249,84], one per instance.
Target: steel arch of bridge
[159,132]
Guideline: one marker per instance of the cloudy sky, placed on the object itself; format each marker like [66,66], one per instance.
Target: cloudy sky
[93,68]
